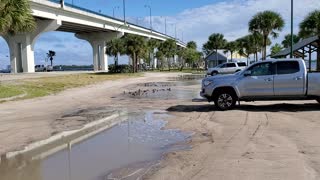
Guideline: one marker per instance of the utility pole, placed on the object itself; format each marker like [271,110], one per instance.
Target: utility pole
[291,48]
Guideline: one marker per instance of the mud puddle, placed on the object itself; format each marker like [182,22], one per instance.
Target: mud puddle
[126,151]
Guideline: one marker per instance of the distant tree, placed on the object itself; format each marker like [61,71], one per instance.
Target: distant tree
[275,49]
[266,23]
[15,17]
[115,48]
[50,56]
[160,57]
[181,54]
[286,43]
[152,45]
[215,41]
[310,26]
[191,56]
[192,45]
[136,47]
[246,46]
[231,47]
[169,50]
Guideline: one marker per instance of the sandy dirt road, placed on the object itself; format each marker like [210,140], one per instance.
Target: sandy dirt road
[257,140]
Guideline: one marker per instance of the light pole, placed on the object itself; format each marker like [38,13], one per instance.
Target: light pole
[291,48]
[150,11]
[116,7]
[124,12]
[165,24]
[182,35]
[138,20]
[175,31]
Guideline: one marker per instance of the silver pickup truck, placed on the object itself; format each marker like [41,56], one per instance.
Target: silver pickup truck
[282,79]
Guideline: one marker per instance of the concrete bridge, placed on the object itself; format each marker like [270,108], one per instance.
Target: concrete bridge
[93,27]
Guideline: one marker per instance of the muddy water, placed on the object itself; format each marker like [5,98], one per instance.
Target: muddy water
[166,90]
[125,151]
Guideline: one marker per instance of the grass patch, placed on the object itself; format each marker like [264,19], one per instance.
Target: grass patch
[9,91]
[44,86]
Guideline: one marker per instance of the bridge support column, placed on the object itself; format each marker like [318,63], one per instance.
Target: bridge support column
[98,42]
[21,46]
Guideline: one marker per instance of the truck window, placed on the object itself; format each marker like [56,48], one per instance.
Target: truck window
[262,69]
[242,64]
[229,65]
[287,67]
[223,66]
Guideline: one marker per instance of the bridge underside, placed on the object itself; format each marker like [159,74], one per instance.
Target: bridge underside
[78,28]
[21,46]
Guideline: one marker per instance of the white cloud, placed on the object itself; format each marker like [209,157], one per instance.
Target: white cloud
[229,17]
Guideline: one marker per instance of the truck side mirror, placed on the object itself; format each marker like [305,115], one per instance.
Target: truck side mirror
[247,73]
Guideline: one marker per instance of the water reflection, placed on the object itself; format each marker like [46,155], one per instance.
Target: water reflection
[134,144]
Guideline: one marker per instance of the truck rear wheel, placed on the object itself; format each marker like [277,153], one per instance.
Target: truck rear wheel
[225,100]
[214,73]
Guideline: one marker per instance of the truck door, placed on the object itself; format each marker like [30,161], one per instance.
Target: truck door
[260,82]
[231,68]
[289,79]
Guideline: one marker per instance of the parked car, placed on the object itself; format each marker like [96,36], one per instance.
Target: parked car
[227,68]
[43,68]
[5,71]
[285,79]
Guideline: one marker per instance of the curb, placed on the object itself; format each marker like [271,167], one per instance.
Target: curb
[88,130]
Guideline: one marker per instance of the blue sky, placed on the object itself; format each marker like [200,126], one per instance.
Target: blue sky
[195,20]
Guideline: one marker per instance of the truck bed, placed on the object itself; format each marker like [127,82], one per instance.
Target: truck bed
[313,84]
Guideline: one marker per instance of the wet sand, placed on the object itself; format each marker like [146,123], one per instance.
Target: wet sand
[257,140]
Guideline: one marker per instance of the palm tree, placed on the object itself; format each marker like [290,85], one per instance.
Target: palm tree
[232,47]
[50,56]
[216,41]
[246,46]
[160,57]
[135,46]
[169,50]
[15,17]
[286,43]
[152,45]
[115,47]
[310,26]
[266,23]
[275,49]
[192,45]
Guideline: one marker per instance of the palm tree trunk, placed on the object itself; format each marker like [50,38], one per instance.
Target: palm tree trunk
[217,61]
[134,62]
[231,55]
[264,56]
[318,55]
[116,61]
